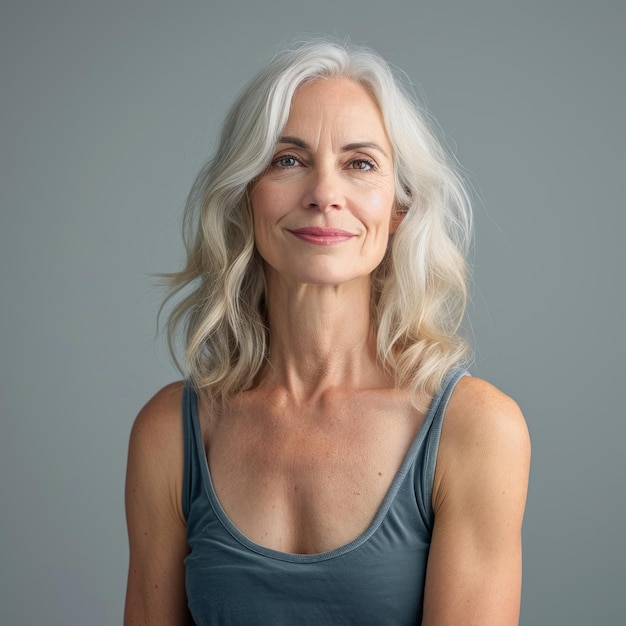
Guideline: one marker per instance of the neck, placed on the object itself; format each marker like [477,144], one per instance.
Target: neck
[321,337]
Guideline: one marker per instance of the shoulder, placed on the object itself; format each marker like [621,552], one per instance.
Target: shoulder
[478,412]
[154,515]
[163,403]
[479,495]
[155,455]
[160,418]
[485,433]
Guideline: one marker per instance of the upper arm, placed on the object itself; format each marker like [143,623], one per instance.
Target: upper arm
[474,566]
[156,526]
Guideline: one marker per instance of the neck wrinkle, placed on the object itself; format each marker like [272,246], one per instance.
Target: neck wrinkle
[321,338]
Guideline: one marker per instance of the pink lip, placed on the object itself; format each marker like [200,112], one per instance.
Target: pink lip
[321,236]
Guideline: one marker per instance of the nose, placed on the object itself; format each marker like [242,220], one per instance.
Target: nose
[324,191]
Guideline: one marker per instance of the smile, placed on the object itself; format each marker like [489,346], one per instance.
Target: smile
[322,236]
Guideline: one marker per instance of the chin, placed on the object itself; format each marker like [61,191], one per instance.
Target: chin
[322,271]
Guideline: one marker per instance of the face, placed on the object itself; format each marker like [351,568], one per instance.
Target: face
[323,209]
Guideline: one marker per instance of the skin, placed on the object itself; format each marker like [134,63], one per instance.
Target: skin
[302,461]
[332,168]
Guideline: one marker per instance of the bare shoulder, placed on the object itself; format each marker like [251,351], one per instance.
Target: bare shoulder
[159,421]
[479,412]
[479,496]
[155,519]
[155,455]
[485,433]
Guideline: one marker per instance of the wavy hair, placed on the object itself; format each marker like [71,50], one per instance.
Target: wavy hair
[419,291]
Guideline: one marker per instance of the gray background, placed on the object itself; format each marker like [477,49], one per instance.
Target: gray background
[108,109]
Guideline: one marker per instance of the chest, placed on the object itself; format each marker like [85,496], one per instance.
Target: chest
[312,482]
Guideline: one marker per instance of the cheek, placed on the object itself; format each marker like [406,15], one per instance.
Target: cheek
[375,201]
[258,201]
[262,206]
[380,207]
[268,202]
[372,203]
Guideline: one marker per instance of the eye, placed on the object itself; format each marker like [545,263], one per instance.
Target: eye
[362,165]
[286,161]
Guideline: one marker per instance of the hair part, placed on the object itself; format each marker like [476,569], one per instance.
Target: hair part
[419,291]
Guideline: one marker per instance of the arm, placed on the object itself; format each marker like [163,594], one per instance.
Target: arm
[155,592]
[474,569]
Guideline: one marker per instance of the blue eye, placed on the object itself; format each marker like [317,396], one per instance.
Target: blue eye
[286,161]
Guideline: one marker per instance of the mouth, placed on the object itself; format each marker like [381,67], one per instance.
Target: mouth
[321,236]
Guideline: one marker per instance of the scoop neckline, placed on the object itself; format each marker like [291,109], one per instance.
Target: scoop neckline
[360,539]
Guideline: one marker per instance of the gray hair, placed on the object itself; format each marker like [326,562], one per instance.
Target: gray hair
[419,291]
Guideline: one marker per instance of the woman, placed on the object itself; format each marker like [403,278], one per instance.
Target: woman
[312,477]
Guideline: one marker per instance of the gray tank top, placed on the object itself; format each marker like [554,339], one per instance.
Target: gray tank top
[378,578]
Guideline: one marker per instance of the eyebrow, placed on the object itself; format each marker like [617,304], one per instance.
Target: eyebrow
[357,145]
[294,141]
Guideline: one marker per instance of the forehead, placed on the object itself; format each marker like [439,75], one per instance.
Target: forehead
[337,102]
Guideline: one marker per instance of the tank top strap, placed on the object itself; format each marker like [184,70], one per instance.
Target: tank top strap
[424,467]
[424,476]
[192,470]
